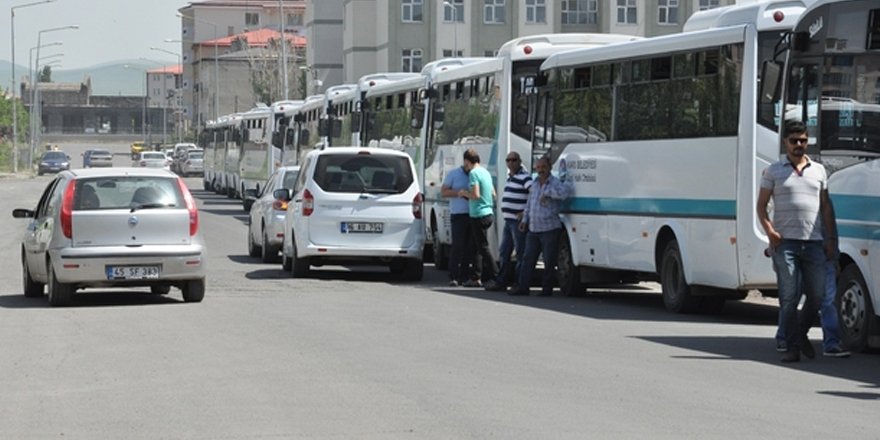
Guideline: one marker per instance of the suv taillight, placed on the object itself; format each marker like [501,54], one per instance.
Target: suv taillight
[279,205]
[190,206]
[67,209]
[308,203]
[417,206]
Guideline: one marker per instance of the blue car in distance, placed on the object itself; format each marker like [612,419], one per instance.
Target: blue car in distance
[53,162]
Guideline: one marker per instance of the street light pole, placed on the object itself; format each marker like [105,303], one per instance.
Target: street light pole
[14,85]
[454,28]
[177,92]
[285,87]
[36,122]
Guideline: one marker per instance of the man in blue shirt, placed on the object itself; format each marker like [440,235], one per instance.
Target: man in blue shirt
[459,263]
[541,219]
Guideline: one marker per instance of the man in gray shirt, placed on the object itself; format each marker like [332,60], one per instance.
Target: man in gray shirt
[798,187]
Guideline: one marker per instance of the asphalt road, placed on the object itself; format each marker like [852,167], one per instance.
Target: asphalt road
[350,353]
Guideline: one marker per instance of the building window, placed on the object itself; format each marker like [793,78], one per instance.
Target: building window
[490,53]
[251,19]
[294,19]
[580,11]
[536,11]
[412,60]
[626,11]
[708,4]
[454,12]
[493,11]
[667,11]
[447,53]
[411,11]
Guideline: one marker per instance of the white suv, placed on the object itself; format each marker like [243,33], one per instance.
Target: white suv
[354,205]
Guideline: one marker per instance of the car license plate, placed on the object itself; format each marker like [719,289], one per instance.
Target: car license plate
[361,227]
[132,272]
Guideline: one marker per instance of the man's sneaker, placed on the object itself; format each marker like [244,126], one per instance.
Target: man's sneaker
[472,283]
[453,283]
[492,286]
[781,346]
[836,352]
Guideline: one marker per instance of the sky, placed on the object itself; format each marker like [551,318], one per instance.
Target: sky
[109,30]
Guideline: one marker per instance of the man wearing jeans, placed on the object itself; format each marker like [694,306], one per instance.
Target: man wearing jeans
[513,202]
[481,206]
[798,187]
[541,219]
[460,223]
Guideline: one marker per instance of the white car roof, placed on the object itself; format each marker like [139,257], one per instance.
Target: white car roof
[122,171]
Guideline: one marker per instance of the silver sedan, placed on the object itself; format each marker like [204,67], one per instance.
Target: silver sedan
[113,227]
[266,226]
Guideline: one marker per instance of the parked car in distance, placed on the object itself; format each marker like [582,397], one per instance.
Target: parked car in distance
[52,162]
[97,158]
[152,159]
[266,225]
[193,163]
[354,205]
[113,227]
[169,153]
[179,157]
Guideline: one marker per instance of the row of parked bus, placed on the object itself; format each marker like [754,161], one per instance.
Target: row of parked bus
[664,140]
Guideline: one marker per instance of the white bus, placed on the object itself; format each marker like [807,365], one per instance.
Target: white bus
[207,143]
[231,126]
[259,158]
[832,83]
[662,141]
[337,128]
[283,134]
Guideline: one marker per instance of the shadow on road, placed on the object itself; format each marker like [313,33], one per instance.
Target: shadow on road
[91,298]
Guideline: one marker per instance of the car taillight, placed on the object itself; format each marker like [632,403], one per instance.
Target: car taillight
[190,206]
[417,206]
[279,205]
[308,203]
[67,209]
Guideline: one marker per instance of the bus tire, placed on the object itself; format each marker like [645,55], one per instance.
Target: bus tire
[855,310]
[677,295]
[568,275]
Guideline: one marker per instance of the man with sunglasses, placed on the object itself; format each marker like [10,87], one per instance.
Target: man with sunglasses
[801,212]
[513,202]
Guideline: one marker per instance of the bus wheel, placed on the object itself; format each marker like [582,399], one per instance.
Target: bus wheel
[441,252]
[677,296]
[568,275]
[857,320]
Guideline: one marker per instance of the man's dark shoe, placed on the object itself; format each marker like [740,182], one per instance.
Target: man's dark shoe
[791,356]
[836,352]
[807,348]
[781,346]
[518,292]
[492,286]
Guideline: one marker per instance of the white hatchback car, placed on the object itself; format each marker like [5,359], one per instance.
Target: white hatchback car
[113,227]
[353,205]
[266,225]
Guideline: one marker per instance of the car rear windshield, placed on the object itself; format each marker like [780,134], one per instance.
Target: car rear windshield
[54,155]
[101,153]
[372,173]
[196,155]
[290,179]
[156,155]
[127,192]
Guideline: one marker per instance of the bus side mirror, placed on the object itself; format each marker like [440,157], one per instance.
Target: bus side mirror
[277,138]
[290,136]
[304,137]
[771,79]
[336,127]
[355,122]
[418,116]
[439,116]
[323,128]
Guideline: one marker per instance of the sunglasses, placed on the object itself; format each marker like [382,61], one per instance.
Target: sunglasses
[511,159]
[799,141]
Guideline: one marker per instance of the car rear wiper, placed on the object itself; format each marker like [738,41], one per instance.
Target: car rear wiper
[137,206]
[380,191]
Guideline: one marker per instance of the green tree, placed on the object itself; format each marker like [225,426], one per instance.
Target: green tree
[6,131]
[46,74]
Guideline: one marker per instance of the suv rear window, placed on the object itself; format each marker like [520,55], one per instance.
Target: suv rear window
[126,192]
[371,173]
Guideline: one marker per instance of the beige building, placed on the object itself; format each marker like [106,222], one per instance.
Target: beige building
[403,35]
[213,30]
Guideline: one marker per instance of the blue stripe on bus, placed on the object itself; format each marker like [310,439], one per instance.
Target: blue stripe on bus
[856,208]
[861,232]
[724,209]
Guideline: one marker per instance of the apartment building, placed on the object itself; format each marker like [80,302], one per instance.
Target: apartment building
[207,43]
[403,35]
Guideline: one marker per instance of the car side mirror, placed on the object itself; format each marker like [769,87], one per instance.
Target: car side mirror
[22,213]
[282,194]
